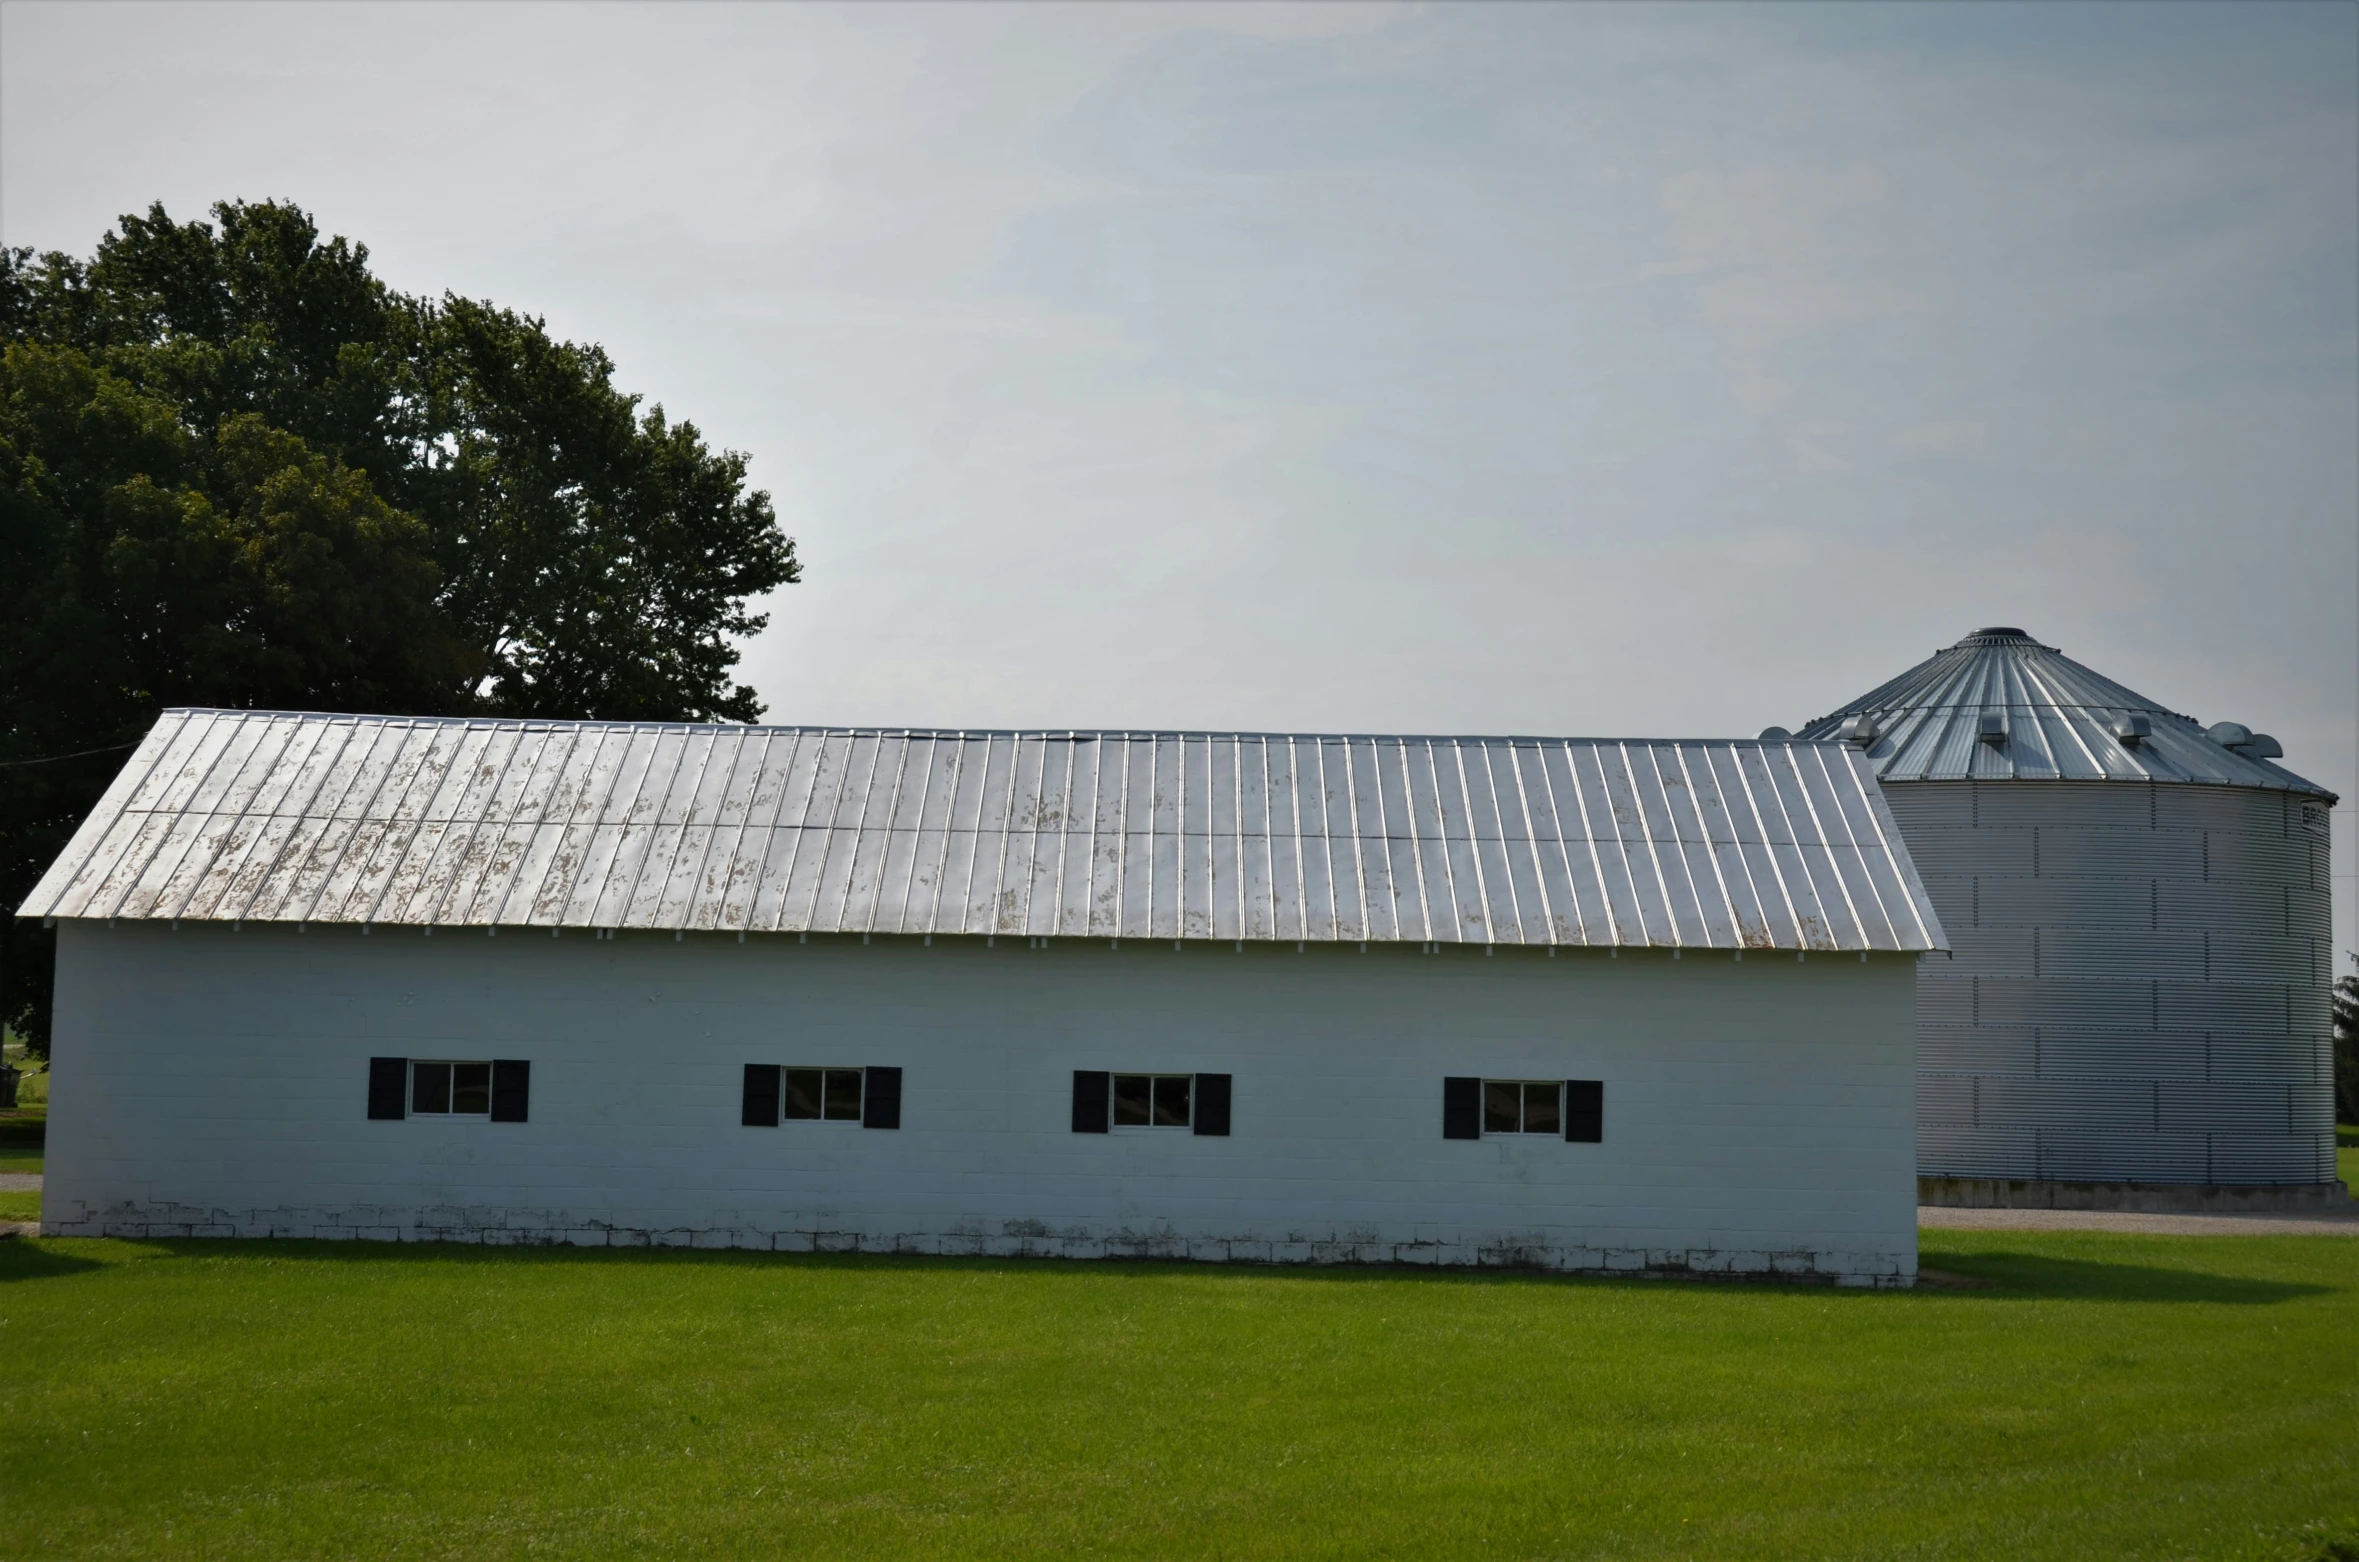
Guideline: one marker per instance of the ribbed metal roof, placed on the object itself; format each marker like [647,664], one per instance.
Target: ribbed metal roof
[285,817]
[2056,724]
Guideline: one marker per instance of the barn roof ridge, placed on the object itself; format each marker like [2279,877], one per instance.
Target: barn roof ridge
[903,729]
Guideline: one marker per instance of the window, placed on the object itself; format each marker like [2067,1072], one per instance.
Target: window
[870,1097]
[1480,1108]
[1197,1102]
[450,1089]
[409,1087]
[1151,1100]
[1523,1106]
[823,1094]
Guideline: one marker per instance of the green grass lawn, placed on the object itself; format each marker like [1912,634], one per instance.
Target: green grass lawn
[2110,1396]
[20,1206]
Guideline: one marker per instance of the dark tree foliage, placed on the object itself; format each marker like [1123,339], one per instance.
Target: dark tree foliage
[2346,1047]
[236,469]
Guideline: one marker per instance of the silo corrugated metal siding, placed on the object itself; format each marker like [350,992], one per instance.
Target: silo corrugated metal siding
[288,817]
[2138,986]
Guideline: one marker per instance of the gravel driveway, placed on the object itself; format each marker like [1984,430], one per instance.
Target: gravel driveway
[2321,1224]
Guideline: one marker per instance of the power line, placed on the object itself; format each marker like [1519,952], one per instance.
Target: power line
[80,753]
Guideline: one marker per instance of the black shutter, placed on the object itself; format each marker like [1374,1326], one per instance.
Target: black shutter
[1212,1104]
[1584,1111]
[389,1087]
[1091,1094]
[1462,1108]
[511,1090]
[761,1095]
[880,1100]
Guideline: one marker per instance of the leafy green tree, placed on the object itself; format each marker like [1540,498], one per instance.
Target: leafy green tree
[598,558]
[154,565]
[236,469]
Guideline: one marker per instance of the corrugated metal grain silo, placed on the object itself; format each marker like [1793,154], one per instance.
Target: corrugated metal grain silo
[2139,909]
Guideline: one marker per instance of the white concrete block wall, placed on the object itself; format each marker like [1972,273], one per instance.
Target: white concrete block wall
[1759,1114]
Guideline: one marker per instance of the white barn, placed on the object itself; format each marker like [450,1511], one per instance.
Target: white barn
[1582,1005]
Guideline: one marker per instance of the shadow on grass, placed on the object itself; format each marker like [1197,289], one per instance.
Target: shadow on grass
[2015,1277]
[24,1129]
[26,1260]
[2019,1276]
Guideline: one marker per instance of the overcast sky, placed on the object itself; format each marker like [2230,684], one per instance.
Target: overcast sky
[1585,369]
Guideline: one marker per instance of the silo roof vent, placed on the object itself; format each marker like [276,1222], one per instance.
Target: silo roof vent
[2132,730]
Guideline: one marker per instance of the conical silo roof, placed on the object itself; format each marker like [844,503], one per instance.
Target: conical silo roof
[2000,706]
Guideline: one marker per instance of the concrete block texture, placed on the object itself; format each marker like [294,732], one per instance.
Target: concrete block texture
[2149,1197]
[1759,1114]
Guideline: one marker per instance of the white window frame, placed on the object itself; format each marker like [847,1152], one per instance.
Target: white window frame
[410,1107]
[1114,1092]
[1521,1111]
[859,1110]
